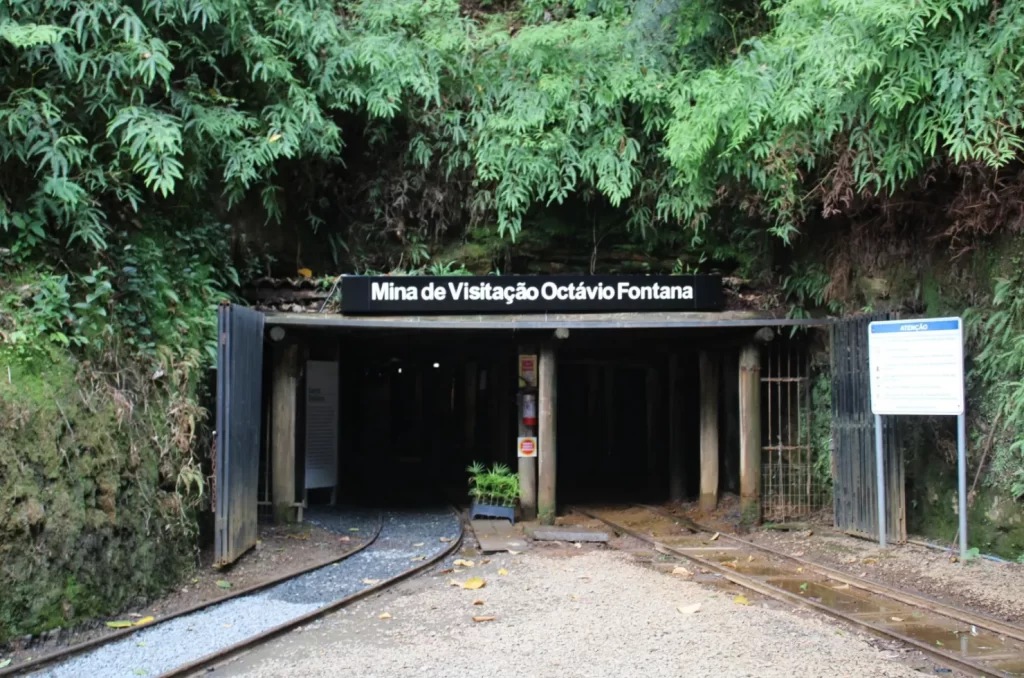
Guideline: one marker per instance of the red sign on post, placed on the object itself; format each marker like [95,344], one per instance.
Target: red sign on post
[527,447]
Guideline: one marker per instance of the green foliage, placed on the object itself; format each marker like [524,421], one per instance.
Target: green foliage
[997,335]
[496,486]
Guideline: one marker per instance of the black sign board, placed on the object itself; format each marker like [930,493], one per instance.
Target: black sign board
[422,295]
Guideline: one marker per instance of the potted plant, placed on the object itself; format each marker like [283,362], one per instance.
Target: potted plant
[494,490]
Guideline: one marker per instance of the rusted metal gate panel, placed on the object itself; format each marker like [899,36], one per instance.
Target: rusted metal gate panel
[239,425]
[789,485]
[853,439]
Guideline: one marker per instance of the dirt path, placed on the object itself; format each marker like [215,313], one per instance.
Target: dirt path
[555,614]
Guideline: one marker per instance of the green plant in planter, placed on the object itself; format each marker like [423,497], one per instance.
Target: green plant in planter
[494,486]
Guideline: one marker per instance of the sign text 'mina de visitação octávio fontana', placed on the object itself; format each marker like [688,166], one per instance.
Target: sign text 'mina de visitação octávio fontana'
[529,294]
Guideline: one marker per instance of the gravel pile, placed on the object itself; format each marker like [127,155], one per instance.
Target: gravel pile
[595,615]
[171,644]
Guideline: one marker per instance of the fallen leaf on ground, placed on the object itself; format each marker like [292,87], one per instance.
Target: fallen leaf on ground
[353,529]
[463,563]
[478,602]
[714,536]
[413,560]
[689,609]
[485,561]
[384,616]
[345,539]
[484,619]
[446,539]
[371,582]
[803,587]
[514,553]
[134,615]
[578,545]
[732,563]
[474,583]
[120,624]
[223,583]
[227,626]
[447,571]
[851,559]
[870,561]
[452,582]
[420,544]
[798,554]
[810,533]
[4,663]
[841,587]
[750,559]
[195,580]
[681,571]
[741,600]
[896,619]
[144,620]
[503,572]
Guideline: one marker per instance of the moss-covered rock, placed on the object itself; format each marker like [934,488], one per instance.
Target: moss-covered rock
[86,524]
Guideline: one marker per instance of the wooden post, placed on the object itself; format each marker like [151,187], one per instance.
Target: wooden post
[652,428]
[675,452]
[750,435]
[284,412]
[470,385]
[708,430]
[527,465]
[546,433]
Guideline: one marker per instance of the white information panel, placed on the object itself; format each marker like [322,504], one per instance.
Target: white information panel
[917,366]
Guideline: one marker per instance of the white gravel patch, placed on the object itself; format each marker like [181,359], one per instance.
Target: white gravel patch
[594,615]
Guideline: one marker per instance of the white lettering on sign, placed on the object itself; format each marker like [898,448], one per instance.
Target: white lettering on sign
[549,291]
[917,367]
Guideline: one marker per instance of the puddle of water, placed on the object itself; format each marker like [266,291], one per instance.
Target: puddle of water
[756,570]
[826,594]
[938,633]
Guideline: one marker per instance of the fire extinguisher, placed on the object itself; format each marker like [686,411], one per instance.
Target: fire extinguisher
[529,409]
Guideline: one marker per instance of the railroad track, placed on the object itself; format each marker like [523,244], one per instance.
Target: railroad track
[974,643]
[192,641]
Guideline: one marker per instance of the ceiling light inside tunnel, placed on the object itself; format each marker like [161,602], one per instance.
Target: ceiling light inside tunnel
[436,365]
[399,370]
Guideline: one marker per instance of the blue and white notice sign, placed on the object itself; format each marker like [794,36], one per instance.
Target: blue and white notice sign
[917,366]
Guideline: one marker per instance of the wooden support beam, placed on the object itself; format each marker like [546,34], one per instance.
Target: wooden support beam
[284,423]
[750,434]
[527,465]
[653,397]
[709,378]
[546,434]
[470,387]
[675,451]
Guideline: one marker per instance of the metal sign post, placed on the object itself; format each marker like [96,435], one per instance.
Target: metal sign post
[917,368]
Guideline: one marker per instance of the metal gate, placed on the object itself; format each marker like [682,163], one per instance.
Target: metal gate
[239,424]
[790,488]
[855,491]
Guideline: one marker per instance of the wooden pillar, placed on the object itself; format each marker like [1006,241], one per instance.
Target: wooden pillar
[675,451]
[709,378]
[470,387]
[750,434]
[546,434]
[284,422]
[652,427]
[527,465]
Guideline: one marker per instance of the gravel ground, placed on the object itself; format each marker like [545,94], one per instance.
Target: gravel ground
[180,641]
[597,614]
[982,585]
